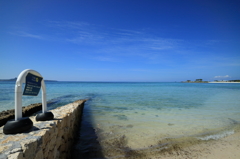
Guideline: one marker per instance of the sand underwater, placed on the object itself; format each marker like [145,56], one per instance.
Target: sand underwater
[148,120]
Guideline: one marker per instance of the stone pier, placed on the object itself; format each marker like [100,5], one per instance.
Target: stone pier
[47,139]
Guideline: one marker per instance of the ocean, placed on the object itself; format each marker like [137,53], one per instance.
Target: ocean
[137,119]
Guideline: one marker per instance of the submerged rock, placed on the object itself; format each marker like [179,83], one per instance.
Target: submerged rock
[129,126]
[121,117]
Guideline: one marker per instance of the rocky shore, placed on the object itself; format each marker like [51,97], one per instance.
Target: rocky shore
[27,111]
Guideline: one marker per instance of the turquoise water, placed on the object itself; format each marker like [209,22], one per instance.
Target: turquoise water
[139,117]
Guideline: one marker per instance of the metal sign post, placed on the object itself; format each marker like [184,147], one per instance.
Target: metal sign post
[33,82]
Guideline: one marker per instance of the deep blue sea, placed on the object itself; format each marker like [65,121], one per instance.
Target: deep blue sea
[123,117]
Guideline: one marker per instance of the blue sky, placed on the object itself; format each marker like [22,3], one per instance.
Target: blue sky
[121,40]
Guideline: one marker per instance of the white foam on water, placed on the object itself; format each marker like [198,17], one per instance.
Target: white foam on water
[217,136]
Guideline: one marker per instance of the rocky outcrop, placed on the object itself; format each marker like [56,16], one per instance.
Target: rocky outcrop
[27,111]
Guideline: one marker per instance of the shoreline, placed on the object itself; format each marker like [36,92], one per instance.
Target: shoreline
[210,82]
[223,82]
[227,147]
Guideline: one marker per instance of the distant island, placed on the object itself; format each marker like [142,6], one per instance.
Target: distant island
[216,81]
[196,81]
[15,79]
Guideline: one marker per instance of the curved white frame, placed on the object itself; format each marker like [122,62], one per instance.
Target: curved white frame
[18,92]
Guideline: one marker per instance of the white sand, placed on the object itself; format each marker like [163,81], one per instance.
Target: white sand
[223,82]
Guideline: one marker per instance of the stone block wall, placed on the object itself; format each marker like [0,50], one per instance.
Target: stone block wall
[47,139]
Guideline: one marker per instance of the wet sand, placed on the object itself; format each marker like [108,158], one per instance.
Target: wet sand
[227,147]
[224,148]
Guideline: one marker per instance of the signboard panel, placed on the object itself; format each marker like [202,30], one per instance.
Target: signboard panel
[33,85]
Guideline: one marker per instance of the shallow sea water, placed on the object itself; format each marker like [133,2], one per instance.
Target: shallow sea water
[124,120]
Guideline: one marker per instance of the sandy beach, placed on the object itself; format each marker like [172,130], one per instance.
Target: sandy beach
[224,148]
[223,82]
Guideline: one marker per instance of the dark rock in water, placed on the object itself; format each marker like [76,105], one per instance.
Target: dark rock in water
[170,124]
[121,117]
[233,121]
[115,128]
[129,126]
[27,111]
[156,115]
[122,108]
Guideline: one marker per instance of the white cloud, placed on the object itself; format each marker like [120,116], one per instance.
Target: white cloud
[67,24]
[226,76]
[114,45]
[25,34]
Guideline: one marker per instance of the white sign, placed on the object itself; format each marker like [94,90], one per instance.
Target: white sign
[29,89]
